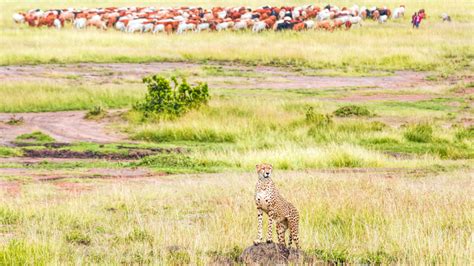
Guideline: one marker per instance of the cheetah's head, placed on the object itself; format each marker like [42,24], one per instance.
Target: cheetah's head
[264,170]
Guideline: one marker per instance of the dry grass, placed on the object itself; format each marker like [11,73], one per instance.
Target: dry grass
[344,217]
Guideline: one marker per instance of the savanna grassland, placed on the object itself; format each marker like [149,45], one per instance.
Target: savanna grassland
[370,132]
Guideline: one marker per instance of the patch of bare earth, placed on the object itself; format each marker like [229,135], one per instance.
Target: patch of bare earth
[68,126]
[259,77]
[386,97]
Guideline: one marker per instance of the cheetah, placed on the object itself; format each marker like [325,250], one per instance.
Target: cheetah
[279,210]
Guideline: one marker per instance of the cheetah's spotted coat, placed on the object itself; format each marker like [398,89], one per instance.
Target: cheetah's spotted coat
[280,211]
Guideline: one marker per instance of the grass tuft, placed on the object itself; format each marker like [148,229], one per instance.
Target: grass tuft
[421,132]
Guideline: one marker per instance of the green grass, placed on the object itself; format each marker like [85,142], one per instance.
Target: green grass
[24,253]
[36,137]
[9,152]
[29,97]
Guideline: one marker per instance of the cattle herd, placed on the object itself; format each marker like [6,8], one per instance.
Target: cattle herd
[197,19]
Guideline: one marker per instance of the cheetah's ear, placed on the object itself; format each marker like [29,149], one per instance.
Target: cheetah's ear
[257,166]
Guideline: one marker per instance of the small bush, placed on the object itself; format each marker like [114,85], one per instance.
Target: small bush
[36,136]
[178,257]
[14,121]
[377,258]
[96,112]
[231,255]
[352,110]
[334,256]
[162,100]
[140,235]
[77,237]
[421,132]
[317,119]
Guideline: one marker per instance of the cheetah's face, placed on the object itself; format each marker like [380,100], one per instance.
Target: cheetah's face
[264,170]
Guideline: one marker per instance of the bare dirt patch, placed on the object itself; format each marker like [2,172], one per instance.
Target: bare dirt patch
[259,77]
[386,97]
[66,127]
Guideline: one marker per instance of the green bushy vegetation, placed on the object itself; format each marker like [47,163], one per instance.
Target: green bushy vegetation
[96,112]
[352,110]
[163,100]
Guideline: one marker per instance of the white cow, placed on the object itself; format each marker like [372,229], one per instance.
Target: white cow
[183,27]
[120,25]
[18,18]
[202,27]
[309,24]
[399,12]
[356,20]
[224,26]
[80,23]
[159,28]
[148,27]
[259,26]
[241,25]
[57,23]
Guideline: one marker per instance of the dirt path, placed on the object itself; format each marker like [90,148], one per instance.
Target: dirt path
[62,126]
[223,76]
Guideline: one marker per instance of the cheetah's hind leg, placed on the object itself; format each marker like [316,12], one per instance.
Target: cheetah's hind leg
[294,233]
[281,229]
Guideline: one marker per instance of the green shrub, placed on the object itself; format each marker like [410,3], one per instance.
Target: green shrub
[376,258]
[163,100]
[317,119]
[77,237]
[140,235]
[14,121]
[352,110]
[334,256]
[36,136]
[421,132]
[178,257]
[96,112]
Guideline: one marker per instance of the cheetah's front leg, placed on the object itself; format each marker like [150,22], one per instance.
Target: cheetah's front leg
[259,227]
[270,227]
